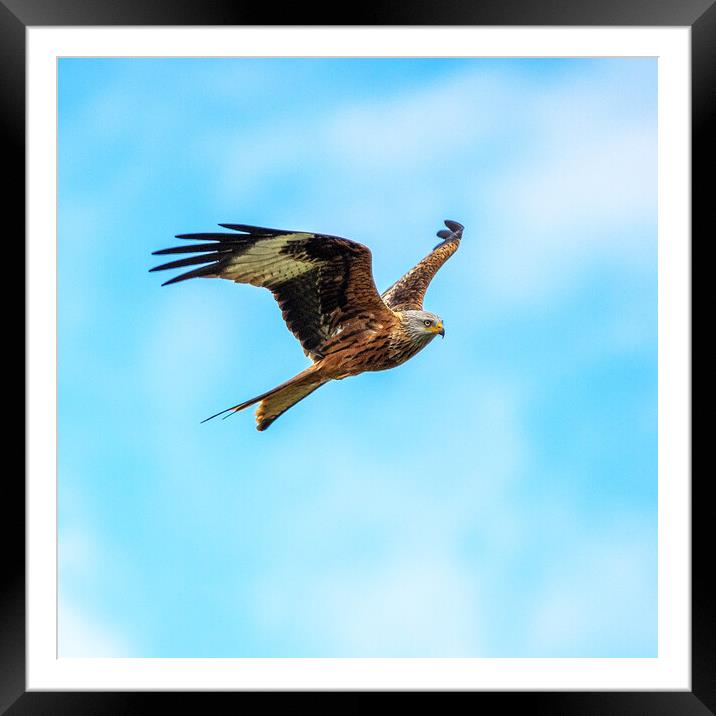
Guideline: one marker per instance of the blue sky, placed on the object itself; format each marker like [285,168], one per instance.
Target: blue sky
[496,496]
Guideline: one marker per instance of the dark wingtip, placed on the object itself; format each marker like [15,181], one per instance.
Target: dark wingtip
[230,412]
[253,230]
[455,231]
[454,226]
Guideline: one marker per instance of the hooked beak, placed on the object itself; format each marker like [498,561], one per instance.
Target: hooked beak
[439,329]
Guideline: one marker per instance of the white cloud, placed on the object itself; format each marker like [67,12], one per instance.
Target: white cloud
[77,553]
[412,588]
[399,606]
[608,180]
[600,599]
[585,193]
[83,560]
[193,327]
[85,636]
[402,132]
[412,130]
[577,182]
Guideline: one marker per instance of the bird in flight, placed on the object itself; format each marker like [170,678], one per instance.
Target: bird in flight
[325,289]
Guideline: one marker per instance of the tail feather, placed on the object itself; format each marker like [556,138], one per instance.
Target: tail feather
[277,401]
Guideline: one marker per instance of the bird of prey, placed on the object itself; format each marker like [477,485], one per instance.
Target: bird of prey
[325,289]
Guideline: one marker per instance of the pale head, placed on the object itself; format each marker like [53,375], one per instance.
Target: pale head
[423,325]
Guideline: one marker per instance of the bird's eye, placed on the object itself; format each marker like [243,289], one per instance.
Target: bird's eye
[428,322]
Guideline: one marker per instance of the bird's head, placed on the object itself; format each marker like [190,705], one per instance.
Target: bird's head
[423,325]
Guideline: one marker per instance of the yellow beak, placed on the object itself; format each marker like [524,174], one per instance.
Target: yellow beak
[438,328]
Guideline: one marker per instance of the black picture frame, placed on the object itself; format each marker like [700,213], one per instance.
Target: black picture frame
[17,15]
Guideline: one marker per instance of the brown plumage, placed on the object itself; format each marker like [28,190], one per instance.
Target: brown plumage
[324,286]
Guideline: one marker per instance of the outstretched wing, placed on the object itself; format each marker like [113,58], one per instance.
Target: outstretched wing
[319,281]
[408,292]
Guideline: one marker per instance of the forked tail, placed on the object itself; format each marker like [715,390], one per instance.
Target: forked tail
[277,401]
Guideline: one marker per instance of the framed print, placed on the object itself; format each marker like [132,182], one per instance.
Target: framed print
[510,512]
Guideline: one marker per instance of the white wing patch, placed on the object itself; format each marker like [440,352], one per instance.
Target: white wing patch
[263,262]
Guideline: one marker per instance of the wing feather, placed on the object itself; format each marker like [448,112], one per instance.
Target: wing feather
[408,292]
[319,281]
